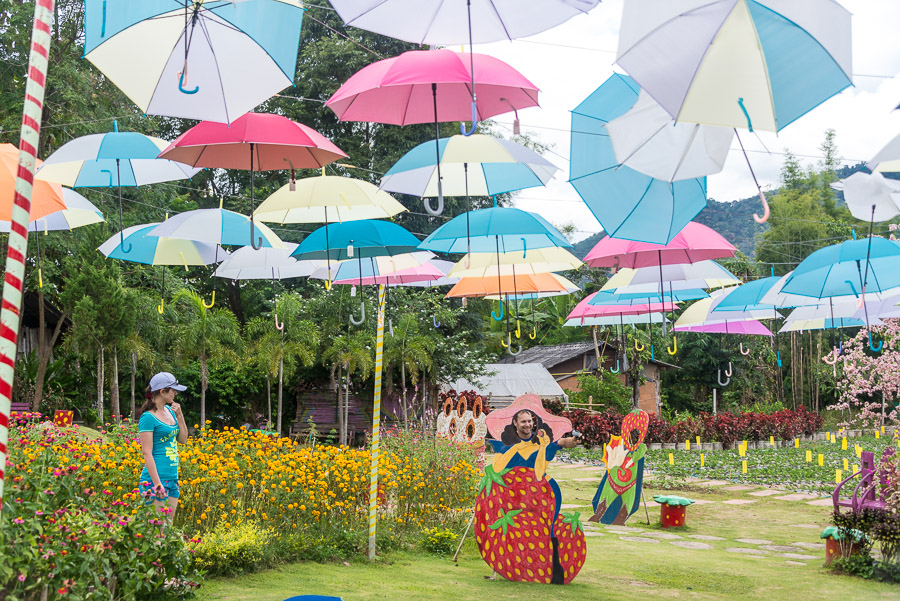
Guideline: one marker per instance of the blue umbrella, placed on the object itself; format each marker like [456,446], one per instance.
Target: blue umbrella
[747,297]
[215,226]
[498,229]
[113,159]
[627,203]
[356,239]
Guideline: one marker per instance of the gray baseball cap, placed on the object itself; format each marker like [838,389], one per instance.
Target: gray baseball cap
[165,380]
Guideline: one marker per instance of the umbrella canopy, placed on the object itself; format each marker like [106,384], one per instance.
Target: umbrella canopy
[153,250]
[426,273]
[441,22]
[679,276]
[353,269]
[214,226]
[747,327]
[568,286]
[506,229]
[696,242]
[757,64]
[888,158]
[113,159]
[407,89]
[46,197]
[79,212]
[821,323]
[255,141]
[647,139]
[627,203]
[747,296]
[247,263]
[701,313]
[541,260]
[195,60]
[475,165]
[364,238]
[444,267]
[609,304]
[327,199]
[870,196]
[848,307]
[852,267]
[514,285]
[616,320]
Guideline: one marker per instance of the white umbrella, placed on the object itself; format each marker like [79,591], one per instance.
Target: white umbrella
[79,211]
[870,196]
[648,139]
[615,320]
[682,276]
[247,263]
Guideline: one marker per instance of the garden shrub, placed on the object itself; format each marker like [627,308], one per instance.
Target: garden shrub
[877,526]
[595,427]
[228,551]
[606,389]
[439,541]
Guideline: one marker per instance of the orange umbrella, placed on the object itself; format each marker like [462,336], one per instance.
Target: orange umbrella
[47,197]
[507,284]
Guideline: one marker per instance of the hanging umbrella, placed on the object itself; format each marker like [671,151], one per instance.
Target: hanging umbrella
[444,267]
[46,197]
[568,288]
[541,260]
[679,276]
[694,243]
[615,320]
[113,159]
[200,59]
[852,267]
[748,296]
[153,250]
[79,212]
[822,323]
[647,139]
[247,263]
[438,22]
[426,273]
[611,305]
[255,141]
[513,285]
[702,312]
[627,203]
[512,230]
[365,238]
[870,196]
[745,327]
[888,158]
[215,226]
[758,64]
[327,199]
[354,269]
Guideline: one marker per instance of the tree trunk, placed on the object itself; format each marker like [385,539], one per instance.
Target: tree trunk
[404,401]
[100,379]
[235,303]
[204,382]
[114,407]
[133,377]
[280,389]
[268,398]
[347,405]
[340,405]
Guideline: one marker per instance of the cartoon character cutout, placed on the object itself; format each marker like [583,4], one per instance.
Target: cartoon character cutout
[463,419]
[619,493]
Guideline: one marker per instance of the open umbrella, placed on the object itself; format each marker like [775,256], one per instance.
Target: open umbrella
[678,276]
[695,242]
[195,59]
[365,238]
[615,320]
[627,203]
[494,230]
[248,263]
[518,284]
[356,268]
[824,323]
[215,226]
[46,197]
[78,212]
[113,159]
[541,260]
[255,141]
[153,250]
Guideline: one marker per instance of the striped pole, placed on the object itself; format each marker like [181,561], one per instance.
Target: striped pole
[376,420]
[18,234]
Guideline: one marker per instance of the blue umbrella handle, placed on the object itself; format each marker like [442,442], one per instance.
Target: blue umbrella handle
[125,249]
[617,369]
[435,322]
[778,354]
[852,287]
[652,353]
[524,248]
[434,212]
[110,176]
[872,346]
[470,131]
[181,86]
[498,317]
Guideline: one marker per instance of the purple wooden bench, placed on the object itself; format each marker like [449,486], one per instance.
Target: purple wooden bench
[865,494]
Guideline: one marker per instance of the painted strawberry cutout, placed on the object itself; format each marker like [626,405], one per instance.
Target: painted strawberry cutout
[572,544]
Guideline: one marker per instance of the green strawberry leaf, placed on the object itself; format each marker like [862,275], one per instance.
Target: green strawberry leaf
[506,520]
[572,518]
[490,478]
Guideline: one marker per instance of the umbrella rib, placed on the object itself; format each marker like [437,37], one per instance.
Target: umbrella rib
[218,71]
[499,19]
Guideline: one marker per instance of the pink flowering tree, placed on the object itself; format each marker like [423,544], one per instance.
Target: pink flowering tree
[868,383]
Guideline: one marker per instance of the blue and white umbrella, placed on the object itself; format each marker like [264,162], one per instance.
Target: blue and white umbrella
[195,59]
[214,226]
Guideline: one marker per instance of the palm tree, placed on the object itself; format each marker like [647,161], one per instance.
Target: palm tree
[412,351]
[204,334]
[348,354]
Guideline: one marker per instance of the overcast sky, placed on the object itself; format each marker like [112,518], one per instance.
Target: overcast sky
[570,61]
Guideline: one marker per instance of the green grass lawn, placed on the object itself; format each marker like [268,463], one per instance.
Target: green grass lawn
[615,568]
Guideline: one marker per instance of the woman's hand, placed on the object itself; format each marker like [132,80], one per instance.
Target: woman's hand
[176,408]
[160,491]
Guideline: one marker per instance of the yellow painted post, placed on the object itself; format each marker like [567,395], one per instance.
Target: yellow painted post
[855,468]
[744,466]
[808,456]
[687,445]
[877,434]
[828,436]
[742,451]
[671,459]
[698,441]
[844,444]
[858,451]
[772,440]
[846,464]
[882,429]
[702,459]
[376,424]
[838,476]
[796,443]
[821,459]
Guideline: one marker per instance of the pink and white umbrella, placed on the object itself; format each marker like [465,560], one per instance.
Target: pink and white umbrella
[696,242]
[427,272]
[750,327]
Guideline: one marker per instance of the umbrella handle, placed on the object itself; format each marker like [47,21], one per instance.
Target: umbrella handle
[743,352]
[110,176]
[524,248]
[638,346]
[505,344]
[328,283]
[719,378]
[872,346]
[181,85]
[766,211]
[434,321]
[212,301]
[533,334]
[498,317]
[852,287]
[159,308]
[434,212]
[510,351]
[778,355]
[652,354]
[518,329]
[362,316]
[391,327]
[617,369]
[728,371]
[255,242]
[278,326]
[833,361]
[674,348]
[470,131]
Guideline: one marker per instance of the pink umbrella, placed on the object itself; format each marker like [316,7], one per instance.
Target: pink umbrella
[584,309]
[255,141]
[696,242]
[751,327]
[424,86]
[422,273]
[404,90]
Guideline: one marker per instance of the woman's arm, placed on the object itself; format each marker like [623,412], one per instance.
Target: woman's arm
[182,428]
[147,449]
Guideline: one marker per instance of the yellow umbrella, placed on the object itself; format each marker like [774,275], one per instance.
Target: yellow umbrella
[541,260]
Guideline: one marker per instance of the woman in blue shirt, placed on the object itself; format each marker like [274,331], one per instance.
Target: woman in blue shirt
[161,427]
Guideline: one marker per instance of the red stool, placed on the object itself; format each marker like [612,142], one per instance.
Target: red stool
[672,510]
[834,547]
